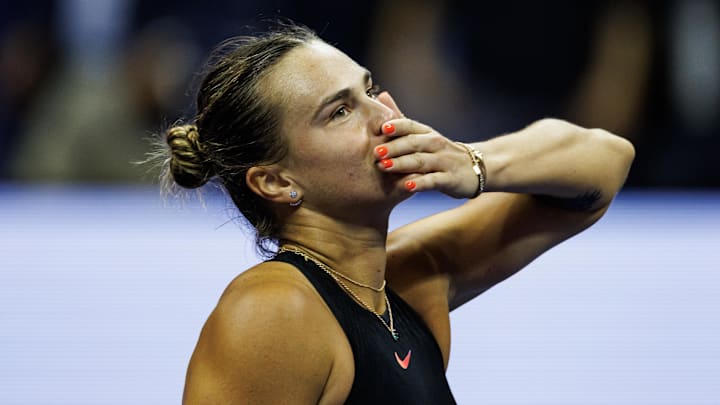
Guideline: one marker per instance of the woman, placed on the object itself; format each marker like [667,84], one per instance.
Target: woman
[315,159]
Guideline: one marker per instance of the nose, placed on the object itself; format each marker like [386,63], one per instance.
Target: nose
[386,99]
[380,114]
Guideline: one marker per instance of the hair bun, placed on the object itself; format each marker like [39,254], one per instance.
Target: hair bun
[189,165]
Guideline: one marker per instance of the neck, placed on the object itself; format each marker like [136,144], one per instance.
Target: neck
[354,250]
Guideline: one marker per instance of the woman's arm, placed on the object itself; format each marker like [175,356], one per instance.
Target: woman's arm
[545,183]
[570,166]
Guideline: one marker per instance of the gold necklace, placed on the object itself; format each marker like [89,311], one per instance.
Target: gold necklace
[304,253]
[334,274]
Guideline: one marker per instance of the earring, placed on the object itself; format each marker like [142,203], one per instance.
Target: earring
[293,195]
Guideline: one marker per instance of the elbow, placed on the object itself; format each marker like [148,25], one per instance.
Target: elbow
[571,132]
[613,148]
[608,154]
[616,145]
[612,153]
[627,149]
[619,154]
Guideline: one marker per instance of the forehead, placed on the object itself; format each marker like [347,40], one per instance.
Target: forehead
[309,73]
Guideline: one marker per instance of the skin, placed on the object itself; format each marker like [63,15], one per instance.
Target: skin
[272,339]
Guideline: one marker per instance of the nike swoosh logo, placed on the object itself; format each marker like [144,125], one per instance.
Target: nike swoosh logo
[404,363]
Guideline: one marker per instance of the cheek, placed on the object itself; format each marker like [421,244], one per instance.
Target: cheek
[350,150]
[342,153]
[344,171]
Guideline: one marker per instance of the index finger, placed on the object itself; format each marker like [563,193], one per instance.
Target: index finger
[404,126]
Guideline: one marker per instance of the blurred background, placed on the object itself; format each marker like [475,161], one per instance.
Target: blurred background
[83,82]
[98,304]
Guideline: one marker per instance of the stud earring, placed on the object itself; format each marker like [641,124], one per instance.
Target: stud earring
[293,195]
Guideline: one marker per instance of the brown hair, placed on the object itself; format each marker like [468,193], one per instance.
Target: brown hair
[235,128]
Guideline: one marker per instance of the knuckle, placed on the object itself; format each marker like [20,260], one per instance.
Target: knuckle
[431,181]
[436,141]
[414,142]
[419,161]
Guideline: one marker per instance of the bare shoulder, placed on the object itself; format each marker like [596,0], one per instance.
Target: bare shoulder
[265,342]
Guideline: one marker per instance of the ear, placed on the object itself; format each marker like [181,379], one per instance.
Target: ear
[270,183]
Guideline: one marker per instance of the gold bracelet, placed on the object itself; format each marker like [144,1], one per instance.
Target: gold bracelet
[478,166]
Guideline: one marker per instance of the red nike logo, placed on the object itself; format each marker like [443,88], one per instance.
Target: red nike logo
[404,363]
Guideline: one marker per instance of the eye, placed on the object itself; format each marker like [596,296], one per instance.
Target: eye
[373,91]
[339,113]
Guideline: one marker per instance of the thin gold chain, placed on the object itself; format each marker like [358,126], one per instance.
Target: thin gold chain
[334,274]
[307,255]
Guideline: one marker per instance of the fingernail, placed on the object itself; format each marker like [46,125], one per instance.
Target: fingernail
[387,163]
[410,185]
[381,151]
[388,128]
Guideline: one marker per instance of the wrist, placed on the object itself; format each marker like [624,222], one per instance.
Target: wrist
[478,165]
[498,164]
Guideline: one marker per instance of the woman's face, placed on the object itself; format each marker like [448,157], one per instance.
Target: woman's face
[332,122]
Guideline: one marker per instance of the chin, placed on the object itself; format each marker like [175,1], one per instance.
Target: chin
[394,193]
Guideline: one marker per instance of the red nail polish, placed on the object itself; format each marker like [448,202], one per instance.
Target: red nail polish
[381,151]
[410,185]
[388,129]
[387,163]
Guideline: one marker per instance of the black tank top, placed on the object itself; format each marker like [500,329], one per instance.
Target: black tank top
[407,371]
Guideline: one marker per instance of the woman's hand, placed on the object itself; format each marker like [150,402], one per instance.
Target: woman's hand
[428,160]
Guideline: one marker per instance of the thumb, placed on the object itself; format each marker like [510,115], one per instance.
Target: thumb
[386,99]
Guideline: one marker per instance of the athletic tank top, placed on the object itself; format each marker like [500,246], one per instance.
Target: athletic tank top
[407,371]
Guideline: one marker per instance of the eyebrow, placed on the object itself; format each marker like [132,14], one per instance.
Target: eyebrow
[340,95]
